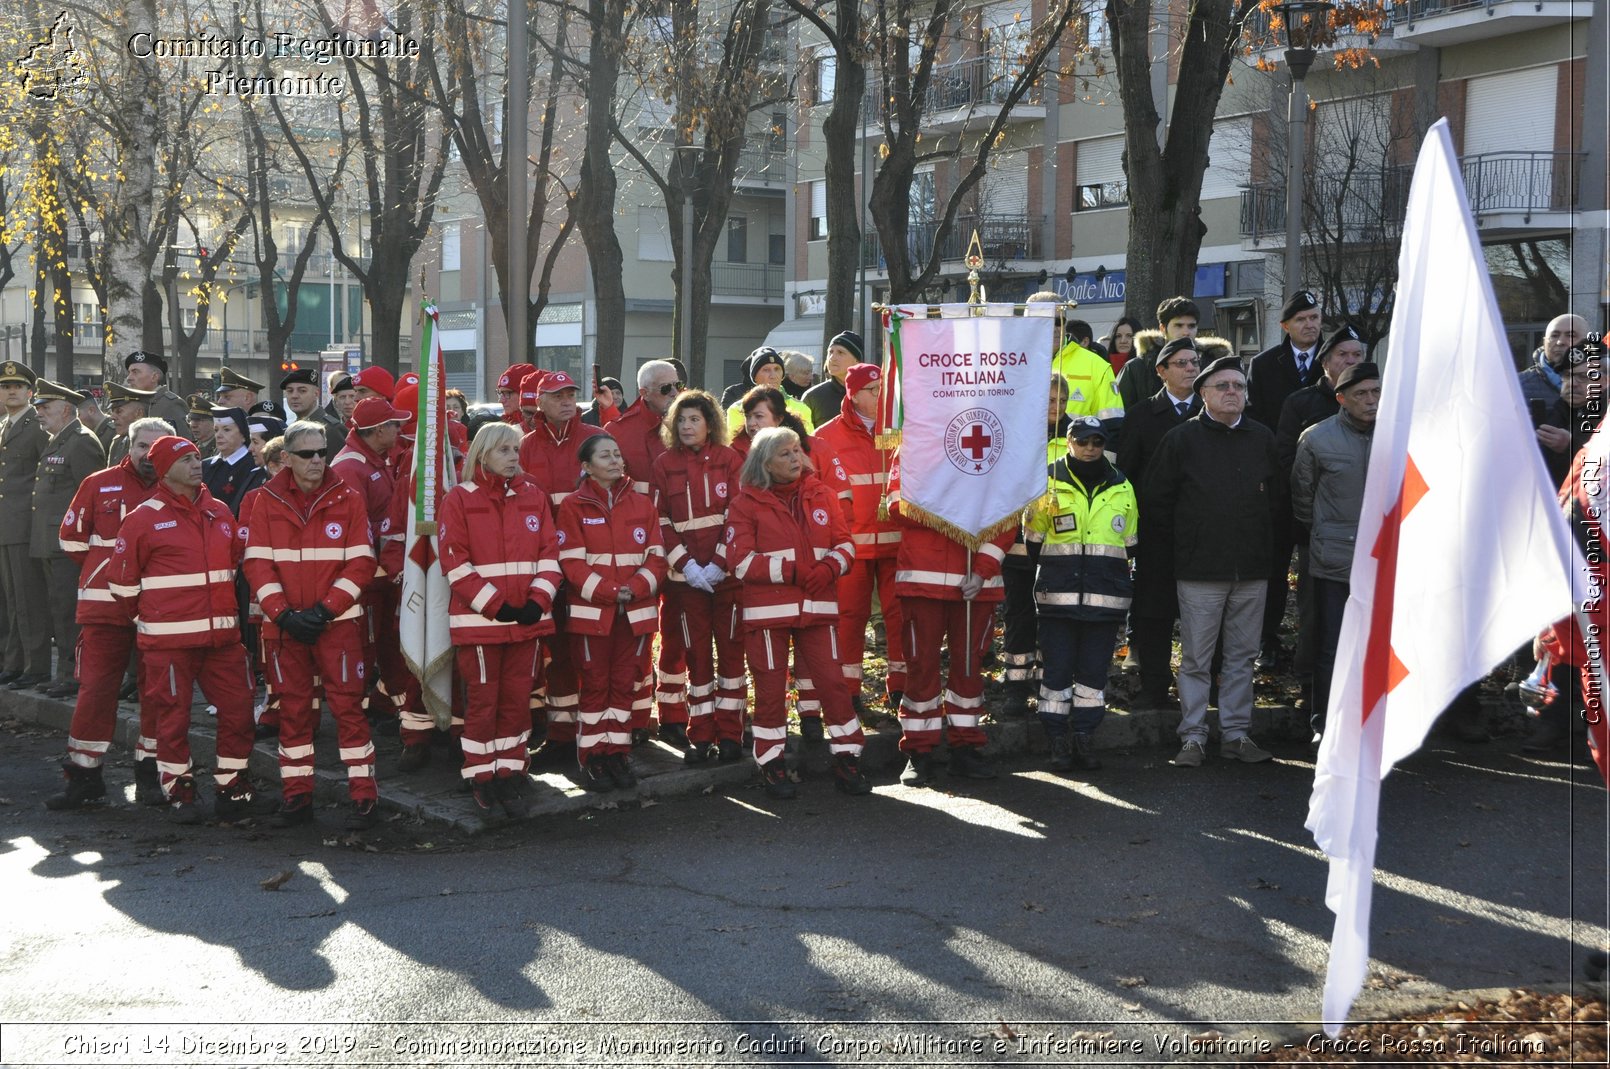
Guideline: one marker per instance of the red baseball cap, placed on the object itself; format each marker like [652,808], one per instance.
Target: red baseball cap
[168,449]
[410,378]
[512,378]
[530,387]
[556,381]
[377,379]
[374,411]
[860,376]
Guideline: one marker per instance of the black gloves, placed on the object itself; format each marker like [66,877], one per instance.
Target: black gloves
[320,615]
[531,613]
[507,614]
[302,625]
[525,615]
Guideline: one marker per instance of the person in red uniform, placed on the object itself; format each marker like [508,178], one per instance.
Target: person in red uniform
[609,548]
[373,382]
[548,455]
[508,393]
[367,463]
[695,480]
[500,553]
[106,630]
[787,541]
[948,595]
[877,540]
[309,560]
[638,433]
[173,571]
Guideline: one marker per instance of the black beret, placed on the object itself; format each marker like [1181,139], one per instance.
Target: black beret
[1356,374]
[304,375]
[1301,301]
[1176,346]
[267,408]
[342,382]
[1223,363]
[1345,332]
[851,341]
[14,371]
[139,356]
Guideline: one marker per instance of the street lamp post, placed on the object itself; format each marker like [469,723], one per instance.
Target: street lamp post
[687,158]
[1304,24]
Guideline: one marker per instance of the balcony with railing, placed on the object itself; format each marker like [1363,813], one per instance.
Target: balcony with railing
[1506,190]
[1003,238]
[960,93]
[746,280]
[1441,23]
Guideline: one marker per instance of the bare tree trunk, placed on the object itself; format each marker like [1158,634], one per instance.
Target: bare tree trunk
[129,216]
[1165,185]
[596,198]
[61,285]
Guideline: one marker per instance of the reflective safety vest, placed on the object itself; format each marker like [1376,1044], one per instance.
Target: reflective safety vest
[1018,556]
[1080,539]
[1091,389]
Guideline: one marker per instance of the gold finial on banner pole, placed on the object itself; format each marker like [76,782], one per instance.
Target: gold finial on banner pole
[975,259]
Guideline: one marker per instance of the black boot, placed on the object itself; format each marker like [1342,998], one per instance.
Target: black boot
[1061,754]
[968,763]
[1084,757]
[919,770]
[509,797]
[699,753]
[148,782]
[848,775]
[774,774]
[675,734]
[1017,700]
[84,785]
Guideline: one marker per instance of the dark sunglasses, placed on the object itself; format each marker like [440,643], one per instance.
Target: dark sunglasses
[670,388]
[1092,439]
[306,454]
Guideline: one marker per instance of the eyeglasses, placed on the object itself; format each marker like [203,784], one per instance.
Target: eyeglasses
[1229,387]
[1092,440]
[1189,361]
[669,388]
[306,454]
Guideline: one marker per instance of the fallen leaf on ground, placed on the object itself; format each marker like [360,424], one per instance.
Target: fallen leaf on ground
[278,880]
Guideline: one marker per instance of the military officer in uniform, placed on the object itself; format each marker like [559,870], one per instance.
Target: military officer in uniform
[22,443]
[71,456]
[202,426]
[126,404]
[148,371]
[300,389]
[94,420]
[232,474]
[236,390]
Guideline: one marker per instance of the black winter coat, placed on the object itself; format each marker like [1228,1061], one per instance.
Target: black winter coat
[1212,492]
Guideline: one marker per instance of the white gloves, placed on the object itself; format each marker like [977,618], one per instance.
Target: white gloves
[703,576]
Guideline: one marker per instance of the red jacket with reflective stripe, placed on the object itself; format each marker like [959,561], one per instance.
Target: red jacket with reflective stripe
[550,458]
[868,467]
[933,565]
[173,568]
[499,547]
[637,432]
[294,561]
[608,540]
[373,476]
[692,491]
[89,531]
[770,536]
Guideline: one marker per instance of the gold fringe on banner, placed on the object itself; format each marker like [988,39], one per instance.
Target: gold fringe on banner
[887,440]
[918,514]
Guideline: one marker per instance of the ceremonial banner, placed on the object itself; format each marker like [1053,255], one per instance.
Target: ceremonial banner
[1462,554]
[967,395]
[426,645]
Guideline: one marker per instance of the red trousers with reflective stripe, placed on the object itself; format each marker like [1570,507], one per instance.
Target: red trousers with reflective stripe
[336,659]
[103,654]
[931,624]
[855,609]
[554,695]
[497,719]
[671,678]
[170,680]
[815,652]
[609,668]
[703,623]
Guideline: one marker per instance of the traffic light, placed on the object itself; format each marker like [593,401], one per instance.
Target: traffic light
[289,365]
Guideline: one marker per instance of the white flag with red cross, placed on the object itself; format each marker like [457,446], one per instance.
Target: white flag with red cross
[1462,554]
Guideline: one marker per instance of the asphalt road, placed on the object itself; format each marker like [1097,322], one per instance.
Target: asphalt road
[911,927]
